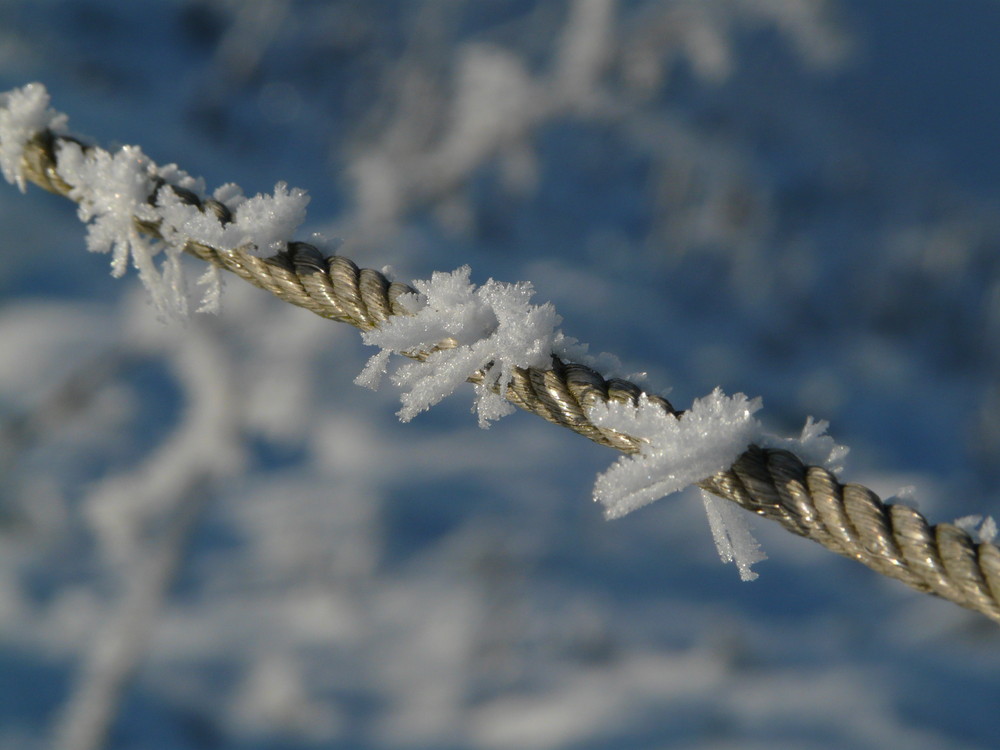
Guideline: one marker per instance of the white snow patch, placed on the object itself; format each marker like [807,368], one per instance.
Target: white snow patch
[23,113]
[979,528]
[493,326]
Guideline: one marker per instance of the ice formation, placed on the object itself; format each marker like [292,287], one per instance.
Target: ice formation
[981,529]
[493,328]
[677,452]
[263,223]
[24,112]
[113,191]
[733,539]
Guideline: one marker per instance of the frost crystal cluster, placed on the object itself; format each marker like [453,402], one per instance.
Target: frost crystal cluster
[676,452]
[114,190]
[24,112]
[465,329]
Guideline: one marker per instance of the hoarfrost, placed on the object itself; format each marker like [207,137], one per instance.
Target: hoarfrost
[813,446]
[732,536]
[266,222]
[679,451]
[493,328]
[675,451]
[269,221]
[113,191]
[981,529]
[24,112]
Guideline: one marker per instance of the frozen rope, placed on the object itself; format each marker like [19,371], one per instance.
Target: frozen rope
[849,519]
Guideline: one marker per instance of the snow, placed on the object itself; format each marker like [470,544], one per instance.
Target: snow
[679,451]
[675,452]
[731,532]
[268,222]
[980,528]
[24,112]
[113,192]
[492,327]
[262,224]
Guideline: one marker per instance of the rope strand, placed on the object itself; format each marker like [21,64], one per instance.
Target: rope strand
[809,501]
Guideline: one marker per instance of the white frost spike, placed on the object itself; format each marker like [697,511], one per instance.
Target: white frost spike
[24,112]
[492,326]
[732,534]
[676,452]
[211,280]
[813,447]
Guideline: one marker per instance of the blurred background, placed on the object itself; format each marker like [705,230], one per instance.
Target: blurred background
[210,538]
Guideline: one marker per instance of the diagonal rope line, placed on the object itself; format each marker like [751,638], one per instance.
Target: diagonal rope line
[809,501]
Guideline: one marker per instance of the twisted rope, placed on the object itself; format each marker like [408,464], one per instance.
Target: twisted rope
[849,519]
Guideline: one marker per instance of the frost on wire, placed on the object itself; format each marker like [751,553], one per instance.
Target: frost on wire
[456,328]
[24,112]
[678,451]
[114,190]
[493,328]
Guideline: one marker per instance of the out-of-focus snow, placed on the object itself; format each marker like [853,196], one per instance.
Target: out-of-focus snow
[982,529]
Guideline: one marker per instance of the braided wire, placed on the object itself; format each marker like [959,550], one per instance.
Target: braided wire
[809,501]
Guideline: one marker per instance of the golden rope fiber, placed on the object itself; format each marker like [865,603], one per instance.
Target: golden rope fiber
[849,519]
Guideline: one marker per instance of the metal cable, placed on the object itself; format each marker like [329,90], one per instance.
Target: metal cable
[849,519]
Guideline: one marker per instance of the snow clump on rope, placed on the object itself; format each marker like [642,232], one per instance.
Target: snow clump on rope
[112,191]
[678,451]
[115,190]
[464,329]
[674,452]
[262,223]
[24,112]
